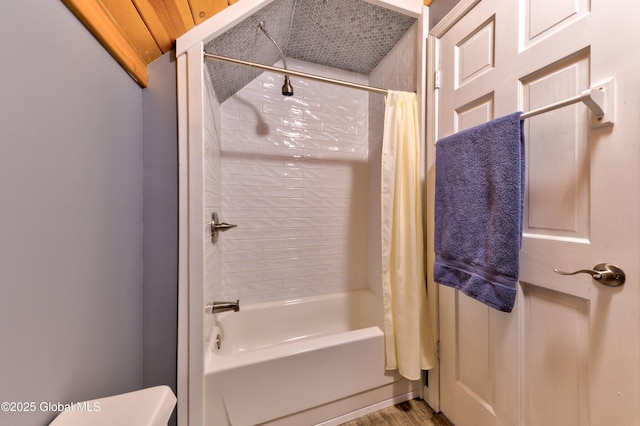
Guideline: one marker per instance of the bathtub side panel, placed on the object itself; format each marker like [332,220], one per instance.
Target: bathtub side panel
[338,367]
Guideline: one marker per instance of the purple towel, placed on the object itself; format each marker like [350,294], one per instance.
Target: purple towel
[479,210]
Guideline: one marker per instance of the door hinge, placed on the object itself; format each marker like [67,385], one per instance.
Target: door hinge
[437,79]
[438,350]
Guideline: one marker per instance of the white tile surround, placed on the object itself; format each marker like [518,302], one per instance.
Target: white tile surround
[294,174]
[212,198]
[300,177]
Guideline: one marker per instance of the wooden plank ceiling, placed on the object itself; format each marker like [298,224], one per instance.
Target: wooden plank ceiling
[136,32]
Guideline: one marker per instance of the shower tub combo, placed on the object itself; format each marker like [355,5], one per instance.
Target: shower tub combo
[299,361]
[317,359]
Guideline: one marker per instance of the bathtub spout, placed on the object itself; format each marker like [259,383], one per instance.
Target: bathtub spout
[216,307]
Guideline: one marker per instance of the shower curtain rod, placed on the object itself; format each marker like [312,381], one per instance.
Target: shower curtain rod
[296,73]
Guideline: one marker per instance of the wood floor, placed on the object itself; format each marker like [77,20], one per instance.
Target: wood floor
[413,412]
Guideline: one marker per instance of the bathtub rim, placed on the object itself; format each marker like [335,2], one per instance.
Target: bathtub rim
[217,362]
[305,299]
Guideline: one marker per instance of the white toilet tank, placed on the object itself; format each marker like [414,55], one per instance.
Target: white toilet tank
[146,407]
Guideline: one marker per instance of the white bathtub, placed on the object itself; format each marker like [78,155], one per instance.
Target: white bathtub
[305,361]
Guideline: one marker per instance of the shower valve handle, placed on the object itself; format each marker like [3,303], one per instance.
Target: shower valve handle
[217,227]
[221,227]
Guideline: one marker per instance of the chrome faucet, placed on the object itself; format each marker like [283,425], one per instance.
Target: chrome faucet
[217,307]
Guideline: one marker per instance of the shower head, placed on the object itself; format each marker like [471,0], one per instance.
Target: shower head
[287,89]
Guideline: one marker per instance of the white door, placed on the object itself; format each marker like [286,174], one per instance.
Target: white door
[569,353]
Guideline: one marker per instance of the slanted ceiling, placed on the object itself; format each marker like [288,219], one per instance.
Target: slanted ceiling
[136,32]
[351,35]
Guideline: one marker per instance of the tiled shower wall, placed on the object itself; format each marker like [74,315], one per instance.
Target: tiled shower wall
[300,176]
[397,71]
[212,196]
[295,181]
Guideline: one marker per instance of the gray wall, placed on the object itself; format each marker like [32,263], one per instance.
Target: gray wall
[71,322]
[439,9]
[160,224]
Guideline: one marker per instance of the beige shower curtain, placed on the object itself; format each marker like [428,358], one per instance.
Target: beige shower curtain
[408,339]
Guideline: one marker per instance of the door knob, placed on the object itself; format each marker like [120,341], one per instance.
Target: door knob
[217,227]
[605,273]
